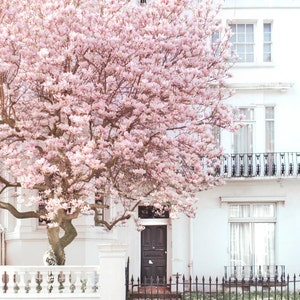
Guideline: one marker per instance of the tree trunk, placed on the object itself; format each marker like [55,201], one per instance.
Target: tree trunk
[58,250]
[57,243]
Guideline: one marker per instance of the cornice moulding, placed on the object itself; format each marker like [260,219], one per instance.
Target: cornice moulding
[279,86]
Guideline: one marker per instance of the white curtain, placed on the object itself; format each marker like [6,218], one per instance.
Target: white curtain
[252,242]
[240,244]
[270,135]
[243,139]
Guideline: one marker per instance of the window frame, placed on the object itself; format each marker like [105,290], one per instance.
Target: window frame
[248,122]
[251,220]
[258,41]
[268,42]
[245,44]
[260,138]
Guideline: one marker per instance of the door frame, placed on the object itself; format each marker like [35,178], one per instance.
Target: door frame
[156,222]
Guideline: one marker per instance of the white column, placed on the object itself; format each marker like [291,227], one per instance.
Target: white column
[112,261]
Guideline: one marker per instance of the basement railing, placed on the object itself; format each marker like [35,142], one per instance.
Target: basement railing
[50,280]
[277,164]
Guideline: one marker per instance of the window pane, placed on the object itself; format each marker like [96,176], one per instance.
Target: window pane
[248,113]
[249,28]
[239,211]
[252,240]
[249,58]
[270,134]
[269,112]
[249,49]
[243,36]
[267,48]
[267,27]
[243,139]
[263,210]
[267,57]
[267,36]
[250,38]
[264,244]
[267,42]
[240,51]
[241,28]
[240,244]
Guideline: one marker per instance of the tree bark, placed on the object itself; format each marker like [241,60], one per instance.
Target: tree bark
[57,243]
[54,241]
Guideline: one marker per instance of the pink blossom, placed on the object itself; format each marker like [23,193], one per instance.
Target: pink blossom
[115,96]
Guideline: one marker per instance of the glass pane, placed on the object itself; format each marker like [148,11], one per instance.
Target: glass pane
[240,244]
[269,112]
[248,113]
[249,28]
[267,27]
[241,38]
[267,42]
[240,48]
[250,38]
[239,211]
[249,49]
[150,212]
[264,244]
[232,39]
[267,48]
[270,134]
[263,210]
[250,57]
[232,27]
[267,57]
[267,37]
[241,28]
[243,139]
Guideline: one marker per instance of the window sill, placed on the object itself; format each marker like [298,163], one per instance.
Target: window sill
[254,65]
[280,86]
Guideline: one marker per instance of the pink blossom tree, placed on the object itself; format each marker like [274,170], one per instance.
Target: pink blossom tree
[110,99]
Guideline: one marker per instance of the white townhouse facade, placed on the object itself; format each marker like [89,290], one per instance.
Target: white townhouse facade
[252,220]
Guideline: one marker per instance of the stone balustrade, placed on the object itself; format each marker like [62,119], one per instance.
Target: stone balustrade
[54,280]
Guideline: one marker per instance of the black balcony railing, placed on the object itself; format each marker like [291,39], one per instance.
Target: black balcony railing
[277,164]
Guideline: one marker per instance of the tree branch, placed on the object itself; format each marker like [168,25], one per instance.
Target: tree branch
[18,214]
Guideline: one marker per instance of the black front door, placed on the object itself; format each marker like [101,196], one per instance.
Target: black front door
[154,254]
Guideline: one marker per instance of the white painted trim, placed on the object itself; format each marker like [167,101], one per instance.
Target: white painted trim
[253,199]
[149,222]
[280,86]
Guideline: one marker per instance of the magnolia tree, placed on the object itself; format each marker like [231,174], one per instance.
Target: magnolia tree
[113,99]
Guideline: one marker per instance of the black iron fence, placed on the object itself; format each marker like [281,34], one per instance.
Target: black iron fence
[276,164]
[188,288]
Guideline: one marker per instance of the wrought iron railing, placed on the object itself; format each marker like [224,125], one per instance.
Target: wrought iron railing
[200,288]
[276,164]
